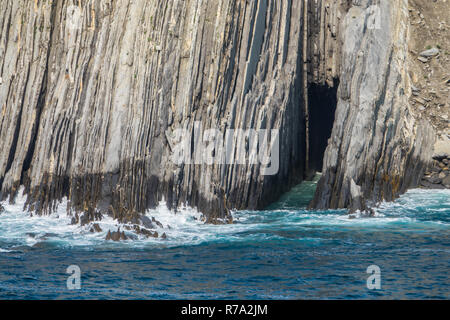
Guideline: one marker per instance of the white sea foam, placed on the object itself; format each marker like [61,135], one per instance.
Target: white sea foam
[185,227]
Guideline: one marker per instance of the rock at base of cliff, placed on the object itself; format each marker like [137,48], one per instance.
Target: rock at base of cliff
[116,235]
[446,181]
[95,228]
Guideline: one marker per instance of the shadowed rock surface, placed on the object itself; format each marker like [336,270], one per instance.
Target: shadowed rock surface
[91,97]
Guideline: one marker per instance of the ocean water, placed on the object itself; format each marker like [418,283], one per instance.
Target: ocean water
[284,252]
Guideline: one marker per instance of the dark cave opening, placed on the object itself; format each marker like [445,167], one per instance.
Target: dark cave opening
[322,106]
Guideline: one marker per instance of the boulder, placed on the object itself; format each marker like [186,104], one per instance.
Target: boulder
[146,222]
[84,219]
[430,52]
[434,179]
[446,181]
[159,224]
[429,185]
[96,228]
[116,235]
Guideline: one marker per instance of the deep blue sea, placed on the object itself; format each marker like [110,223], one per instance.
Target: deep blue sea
[285,252]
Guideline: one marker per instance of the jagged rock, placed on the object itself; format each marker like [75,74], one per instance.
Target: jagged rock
[69,128]
[145,232]
[116,235]
[164,236]
[96,228]
[2,209]
[75,219]
[159,224]
[385,157]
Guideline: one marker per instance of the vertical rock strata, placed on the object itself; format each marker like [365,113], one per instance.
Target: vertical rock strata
[377,149]
[93,92]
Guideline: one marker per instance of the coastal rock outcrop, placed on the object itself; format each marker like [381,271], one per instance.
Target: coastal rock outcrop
[93,93]
[376,143]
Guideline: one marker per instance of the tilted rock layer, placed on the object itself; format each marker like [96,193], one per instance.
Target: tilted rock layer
[92,93]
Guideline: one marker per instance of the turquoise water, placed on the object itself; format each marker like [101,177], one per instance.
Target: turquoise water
[285,252]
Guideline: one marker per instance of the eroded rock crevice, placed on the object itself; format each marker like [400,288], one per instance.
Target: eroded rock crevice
[322,104]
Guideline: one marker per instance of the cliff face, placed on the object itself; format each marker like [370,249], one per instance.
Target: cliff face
[94,93]
[377,149]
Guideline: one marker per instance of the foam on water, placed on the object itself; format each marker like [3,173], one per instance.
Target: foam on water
[416,210]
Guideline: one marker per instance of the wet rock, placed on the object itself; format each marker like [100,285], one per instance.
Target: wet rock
[149,234]
[358,202]
[98,215]
[164,236]
[116,235]
[159,224]
[74,220]
[146,222]
[96,228]
[2,209]
[429,185]
[145,232]
[132,237]
[84,219]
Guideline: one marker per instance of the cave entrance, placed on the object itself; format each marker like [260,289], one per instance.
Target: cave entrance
[322,101]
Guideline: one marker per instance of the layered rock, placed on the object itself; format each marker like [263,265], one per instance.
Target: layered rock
[93,93]
[377,149]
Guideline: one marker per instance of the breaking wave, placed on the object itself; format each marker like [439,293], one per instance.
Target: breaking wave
[416,210]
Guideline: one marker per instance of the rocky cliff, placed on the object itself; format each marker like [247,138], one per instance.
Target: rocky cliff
[94,93]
